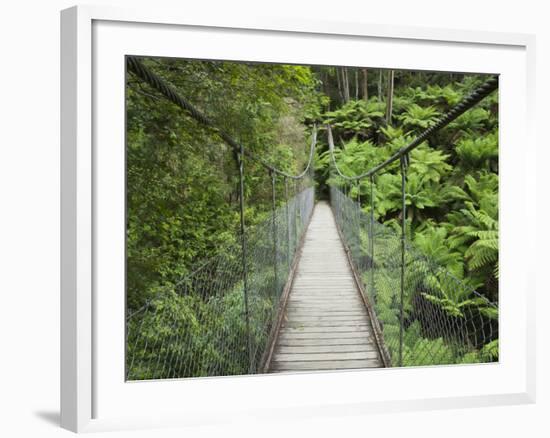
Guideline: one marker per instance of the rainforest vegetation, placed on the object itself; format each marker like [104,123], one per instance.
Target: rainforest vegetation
[183,180]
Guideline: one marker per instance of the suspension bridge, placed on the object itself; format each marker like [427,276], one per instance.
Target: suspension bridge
[316,286]
[325,322]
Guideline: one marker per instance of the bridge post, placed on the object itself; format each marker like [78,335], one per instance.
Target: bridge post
[244,263]
[287,224]
[358,219]
[403,160]
[371,238]
[296,212]
[274,225]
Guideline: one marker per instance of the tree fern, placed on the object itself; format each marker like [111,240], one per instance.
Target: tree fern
[471,121]
[483,251]
[429,163]
[480,234]
[478,153]
[417,118]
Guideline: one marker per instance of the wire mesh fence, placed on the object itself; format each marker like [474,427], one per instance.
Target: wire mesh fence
[199,326]
[425,316]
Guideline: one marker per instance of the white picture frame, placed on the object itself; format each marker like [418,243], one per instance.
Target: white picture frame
[92,392]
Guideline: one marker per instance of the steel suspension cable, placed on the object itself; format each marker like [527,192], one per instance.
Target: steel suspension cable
[171,93]
[470,101]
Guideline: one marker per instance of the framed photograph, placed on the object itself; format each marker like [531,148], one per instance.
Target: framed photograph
[291,218]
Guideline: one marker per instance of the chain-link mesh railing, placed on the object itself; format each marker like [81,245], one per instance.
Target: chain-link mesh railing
[199,326]
[424,315]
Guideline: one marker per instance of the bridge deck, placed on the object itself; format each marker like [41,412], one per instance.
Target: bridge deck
[326,325]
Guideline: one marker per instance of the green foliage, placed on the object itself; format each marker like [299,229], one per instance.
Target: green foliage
[432,243]
[182,186]
[418,350]
[471,121]
[182,198]
[416,118]
[451,190]
[429,164]
[392,134]
[475,232]
[478,152]
[435,95]
[356,117]
[452,216]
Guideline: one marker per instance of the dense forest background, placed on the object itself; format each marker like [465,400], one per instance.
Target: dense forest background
[182,180]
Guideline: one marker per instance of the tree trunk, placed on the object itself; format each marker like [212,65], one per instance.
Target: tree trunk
[365,85]
[345,84]
[389,100]
[356,84]
[339,84]
[380,85]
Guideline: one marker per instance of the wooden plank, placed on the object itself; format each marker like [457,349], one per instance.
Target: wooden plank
[323,335]
[294,327]
[323,289]
[314,301]
[348,296]
[325,365]
[326,296]
[305,349]
[322,341]
[330,302]
[329,317]
[363,328]
[327,308]
[336,314]
[316,357]
[326,317]
[332,306]
[312,281]
[326,323]
[323,292]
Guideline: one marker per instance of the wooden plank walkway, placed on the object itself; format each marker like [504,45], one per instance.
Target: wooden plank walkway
[326,325]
